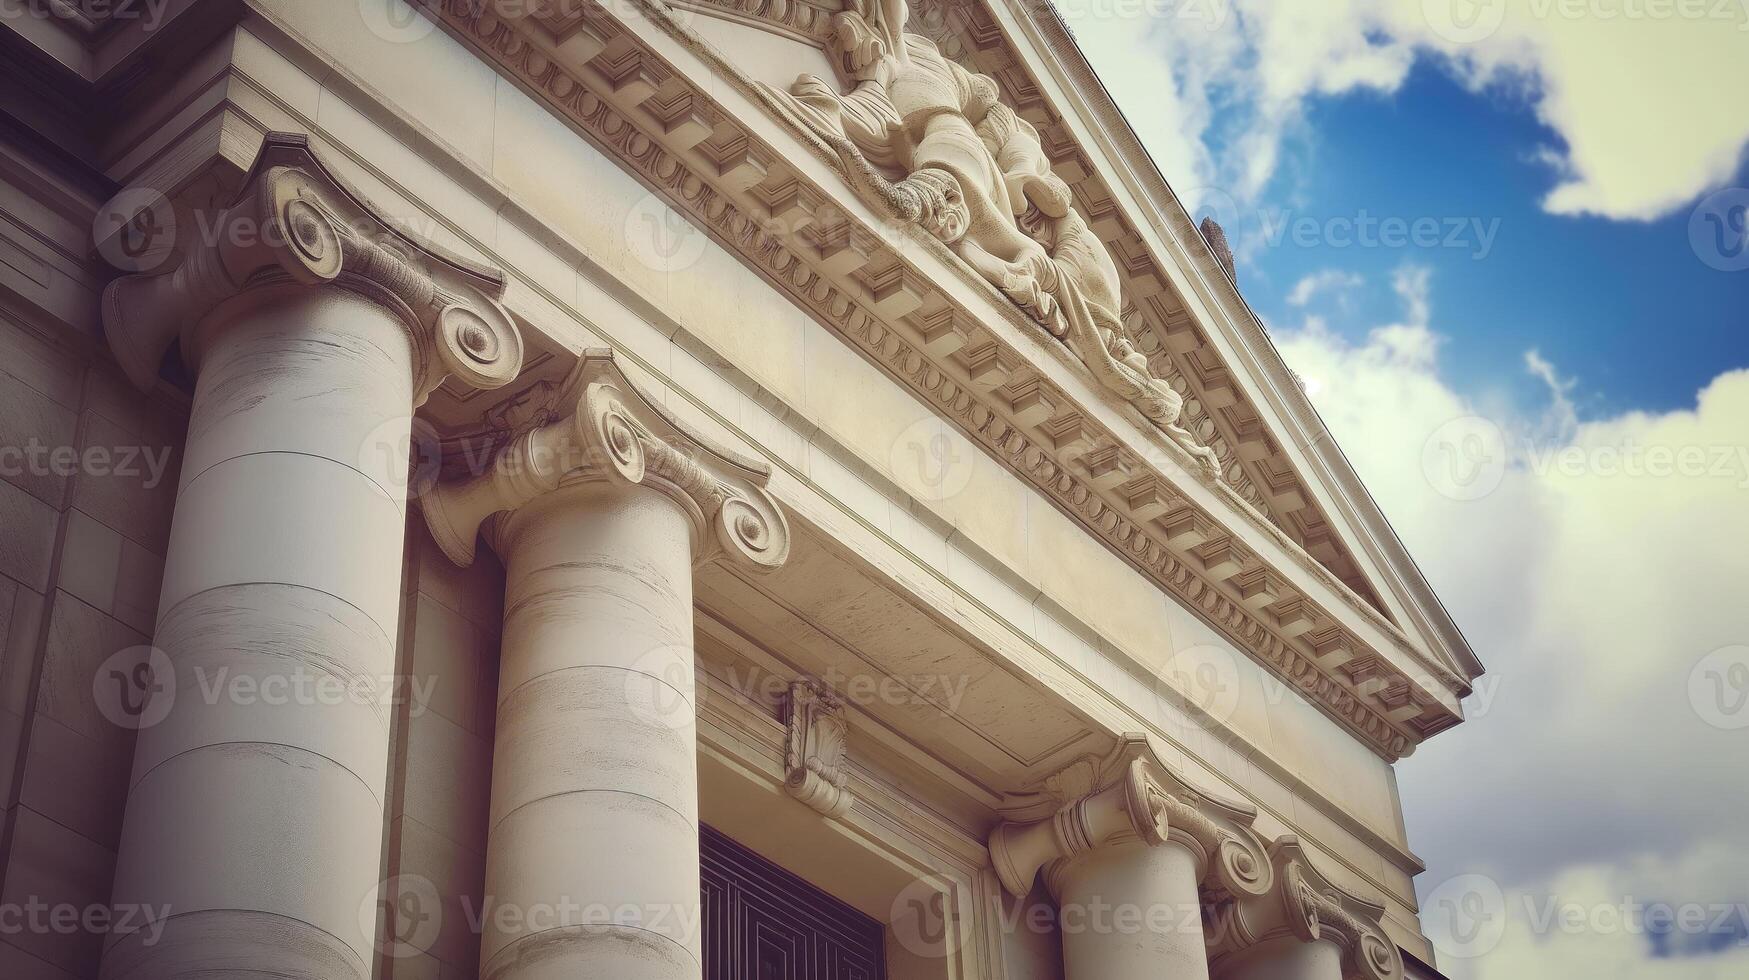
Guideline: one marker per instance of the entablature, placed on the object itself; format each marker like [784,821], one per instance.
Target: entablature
[720,149]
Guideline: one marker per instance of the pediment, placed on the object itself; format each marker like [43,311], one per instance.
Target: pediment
[1278,547]
[1221,404]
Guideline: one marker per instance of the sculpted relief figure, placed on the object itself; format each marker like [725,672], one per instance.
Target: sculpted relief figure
[974,174]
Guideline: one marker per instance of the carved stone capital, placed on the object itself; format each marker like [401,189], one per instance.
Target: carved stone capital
[1130,792]
[1303,904]
[814,751]
[597,427]
[295,222]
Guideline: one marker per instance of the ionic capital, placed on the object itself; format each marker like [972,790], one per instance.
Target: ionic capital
[1130,794]
[296,223]
[1304,905]
[597,427]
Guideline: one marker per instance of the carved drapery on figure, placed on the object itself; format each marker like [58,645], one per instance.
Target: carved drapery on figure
[974,175]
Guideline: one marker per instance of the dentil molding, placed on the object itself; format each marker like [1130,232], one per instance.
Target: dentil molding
[625,98]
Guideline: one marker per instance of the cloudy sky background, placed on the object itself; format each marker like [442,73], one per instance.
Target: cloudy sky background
[1551,403]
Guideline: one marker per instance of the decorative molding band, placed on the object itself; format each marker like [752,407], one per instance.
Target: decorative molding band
[852,279]
[597,427]
[1054,36]
[815,747]
[295,222]
[1214,410]
[804,20]
[1303,904]
[1131,791]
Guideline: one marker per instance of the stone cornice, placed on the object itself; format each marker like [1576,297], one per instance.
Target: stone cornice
[1286,394]
[1131,793]
[1305,906]
[863,280]
[295,223]
[1216,407]
[598,427]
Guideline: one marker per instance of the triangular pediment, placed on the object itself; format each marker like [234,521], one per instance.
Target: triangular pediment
[1226,403]
[1250,410]
[1205,467]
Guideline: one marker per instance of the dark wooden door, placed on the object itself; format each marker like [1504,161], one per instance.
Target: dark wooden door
[763,923]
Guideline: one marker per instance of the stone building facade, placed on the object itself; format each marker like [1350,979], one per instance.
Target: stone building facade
[638,489]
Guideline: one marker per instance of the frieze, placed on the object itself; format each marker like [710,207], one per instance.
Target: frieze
[711,172]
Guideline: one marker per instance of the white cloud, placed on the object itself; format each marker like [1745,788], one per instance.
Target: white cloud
[1600,578]
[1598,923]
[1333,281]
[1644,95]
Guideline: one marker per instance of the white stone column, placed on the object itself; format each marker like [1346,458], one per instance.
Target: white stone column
[592,863]
[1129,909]
[1130,853]
[1301,928]
[1286,958]
[255,809]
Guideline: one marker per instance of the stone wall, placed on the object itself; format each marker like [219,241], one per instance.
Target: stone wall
[84,520]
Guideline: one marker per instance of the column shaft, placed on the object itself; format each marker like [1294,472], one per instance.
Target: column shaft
[255,813]
[592,852]
[1139,912]
[1286,958]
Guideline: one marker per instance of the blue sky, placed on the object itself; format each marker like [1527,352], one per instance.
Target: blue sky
[1587,292]
[1590,335]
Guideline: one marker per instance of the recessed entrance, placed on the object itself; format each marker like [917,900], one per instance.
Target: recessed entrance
[763,923]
